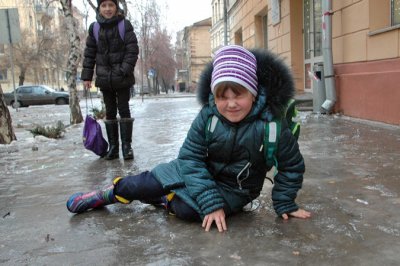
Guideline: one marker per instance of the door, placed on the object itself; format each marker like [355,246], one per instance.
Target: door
[42,96]
[312,38]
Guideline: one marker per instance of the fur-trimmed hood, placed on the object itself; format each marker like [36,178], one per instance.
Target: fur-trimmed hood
[275,82]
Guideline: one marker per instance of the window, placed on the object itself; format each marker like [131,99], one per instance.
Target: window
[25,90]
[239,37]
[395,9]
[39,90]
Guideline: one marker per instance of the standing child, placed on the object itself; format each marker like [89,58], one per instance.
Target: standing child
[216,176]
[114,54]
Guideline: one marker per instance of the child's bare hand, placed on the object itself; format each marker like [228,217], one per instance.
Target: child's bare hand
[87,84]
[300,213]
[218,217]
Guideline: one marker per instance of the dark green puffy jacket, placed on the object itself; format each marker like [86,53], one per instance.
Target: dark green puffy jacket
[229,169]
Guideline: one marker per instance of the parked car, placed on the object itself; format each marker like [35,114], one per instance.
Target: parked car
[36,95]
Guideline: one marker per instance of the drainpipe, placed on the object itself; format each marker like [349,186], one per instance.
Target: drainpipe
[225,22]
[327,55]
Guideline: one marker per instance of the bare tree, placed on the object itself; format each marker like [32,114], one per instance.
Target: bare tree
[147,20]
[162,58]
[26,55]
[6,130]
[74,57]
[51,46]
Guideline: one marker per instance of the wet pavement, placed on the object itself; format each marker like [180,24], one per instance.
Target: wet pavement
[351,186]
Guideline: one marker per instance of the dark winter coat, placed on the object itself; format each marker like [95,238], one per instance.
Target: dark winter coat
[114,58]
[229,169]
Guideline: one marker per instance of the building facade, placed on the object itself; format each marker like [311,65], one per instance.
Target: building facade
[196,54]
[365,46]
[39,57]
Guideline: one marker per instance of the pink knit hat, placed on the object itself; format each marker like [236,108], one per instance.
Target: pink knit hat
[236,64]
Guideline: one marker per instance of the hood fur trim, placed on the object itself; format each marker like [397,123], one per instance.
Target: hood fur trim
[274,80]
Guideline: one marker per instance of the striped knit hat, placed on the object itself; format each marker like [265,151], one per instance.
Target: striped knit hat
[236,64]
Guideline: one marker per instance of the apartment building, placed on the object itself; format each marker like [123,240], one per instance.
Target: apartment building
[40,22]
[365,46]
[197,53]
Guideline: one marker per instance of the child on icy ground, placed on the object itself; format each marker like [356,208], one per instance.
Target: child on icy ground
[215,178]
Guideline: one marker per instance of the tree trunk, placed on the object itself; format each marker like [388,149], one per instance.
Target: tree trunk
[6,130]
[21,77]
[74,57]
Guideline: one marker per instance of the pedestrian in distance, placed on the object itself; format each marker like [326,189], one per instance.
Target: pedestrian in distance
[217,175]
[112,47]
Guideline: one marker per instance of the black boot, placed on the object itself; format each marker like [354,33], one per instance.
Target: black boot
[126,125]
[112,135]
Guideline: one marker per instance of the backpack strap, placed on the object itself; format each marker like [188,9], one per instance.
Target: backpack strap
[210,127]
[271,137]
[121,30]
[290,113]
[271,140]
[96,29]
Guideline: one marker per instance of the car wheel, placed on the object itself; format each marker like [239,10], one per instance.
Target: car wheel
[61,101]
[16,105]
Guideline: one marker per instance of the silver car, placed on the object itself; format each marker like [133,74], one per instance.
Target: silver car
[36,95]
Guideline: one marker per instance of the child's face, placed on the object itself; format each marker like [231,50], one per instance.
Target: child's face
[108,9]
[234,106]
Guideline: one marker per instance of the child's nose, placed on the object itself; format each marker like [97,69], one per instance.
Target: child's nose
[231,103]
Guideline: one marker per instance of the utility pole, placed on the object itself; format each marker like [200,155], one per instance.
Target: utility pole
[225,22]
[10,33]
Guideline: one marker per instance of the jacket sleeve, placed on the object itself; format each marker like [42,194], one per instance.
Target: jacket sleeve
[192,164]
[289,178]
[131,49]
[89,54]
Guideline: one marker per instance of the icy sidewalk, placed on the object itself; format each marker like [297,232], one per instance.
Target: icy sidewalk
[351,185]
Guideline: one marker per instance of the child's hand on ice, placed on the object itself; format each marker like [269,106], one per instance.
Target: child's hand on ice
[300,213]
[218,217]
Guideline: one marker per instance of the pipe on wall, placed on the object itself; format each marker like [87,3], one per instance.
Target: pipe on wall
[327,55]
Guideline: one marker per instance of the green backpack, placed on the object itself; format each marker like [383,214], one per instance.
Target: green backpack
[272,132]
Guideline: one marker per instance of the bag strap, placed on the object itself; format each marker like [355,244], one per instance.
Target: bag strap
[96,29]
[271,140]
[210,127]
[290,113]
[121,30]
[272,133]
[86,100]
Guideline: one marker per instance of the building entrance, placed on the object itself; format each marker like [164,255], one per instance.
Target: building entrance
[312,38]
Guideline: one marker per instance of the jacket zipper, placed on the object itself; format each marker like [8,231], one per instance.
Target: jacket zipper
[245,168]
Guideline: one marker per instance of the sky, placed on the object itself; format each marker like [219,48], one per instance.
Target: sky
[184,13]
[180,13]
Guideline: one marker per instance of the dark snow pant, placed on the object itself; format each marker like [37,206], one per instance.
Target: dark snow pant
[117,101]
[146,188]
